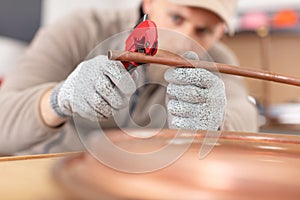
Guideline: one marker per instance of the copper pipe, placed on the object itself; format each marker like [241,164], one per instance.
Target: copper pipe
[171,59]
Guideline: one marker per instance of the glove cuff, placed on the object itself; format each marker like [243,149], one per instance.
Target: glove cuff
[54,101]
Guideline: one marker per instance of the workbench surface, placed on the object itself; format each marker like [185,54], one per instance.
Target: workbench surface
[29,177]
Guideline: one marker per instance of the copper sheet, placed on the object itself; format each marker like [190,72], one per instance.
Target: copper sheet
[240,166]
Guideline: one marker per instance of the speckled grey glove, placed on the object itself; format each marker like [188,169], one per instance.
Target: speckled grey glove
[196,98]
[94,90]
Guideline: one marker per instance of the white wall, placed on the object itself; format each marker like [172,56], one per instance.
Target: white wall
[53,9]
[257,5]
[10,51]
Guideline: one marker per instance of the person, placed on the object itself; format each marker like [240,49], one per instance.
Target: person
[53,82]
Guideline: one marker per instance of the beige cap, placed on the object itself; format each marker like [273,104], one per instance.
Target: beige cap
[223,8]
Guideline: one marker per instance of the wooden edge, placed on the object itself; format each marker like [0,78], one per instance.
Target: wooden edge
[40,156]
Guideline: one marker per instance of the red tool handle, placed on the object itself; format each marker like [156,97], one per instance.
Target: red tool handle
[143,39]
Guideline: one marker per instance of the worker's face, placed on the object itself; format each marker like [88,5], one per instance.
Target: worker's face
[201,25]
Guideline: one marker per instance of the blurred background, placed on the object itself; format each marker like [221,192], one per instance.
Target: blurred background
[267,37]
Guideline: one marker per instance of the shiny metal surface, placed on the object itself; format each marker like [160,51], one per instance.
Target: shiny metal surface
[240,166]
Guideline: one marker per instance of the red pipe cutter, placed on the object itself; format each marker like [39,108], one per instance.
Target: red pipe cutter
[142,39]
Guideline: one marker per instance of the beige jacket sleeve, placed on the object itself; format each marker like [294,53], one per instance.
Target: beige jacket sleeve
[51,57]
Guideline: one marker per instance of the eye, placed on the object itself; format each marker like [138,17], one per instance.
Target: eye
[177,19]
[202,30]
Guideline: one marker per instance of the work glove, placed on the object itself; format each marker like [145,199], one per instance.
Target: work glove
[94,90]
[196,98]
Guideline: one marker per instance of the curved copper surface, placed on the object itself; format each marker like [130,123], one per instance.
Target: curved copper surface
[240,166]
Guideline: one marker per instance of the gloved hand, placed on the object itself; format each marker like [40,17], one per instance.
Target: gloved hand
[94,90]
[196,98]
